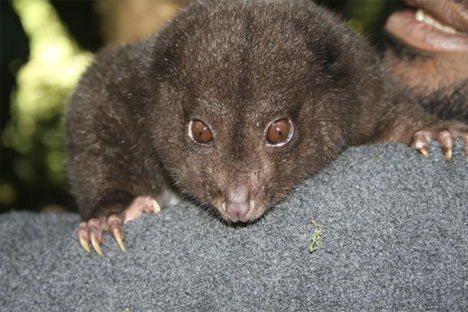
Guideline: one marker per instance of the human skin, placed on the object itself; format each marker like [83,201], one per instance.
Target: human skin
[429,57]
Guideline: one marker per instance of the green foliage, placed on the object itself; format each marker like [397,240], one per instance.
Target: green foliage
[363,15]
[32,142]
[316,236]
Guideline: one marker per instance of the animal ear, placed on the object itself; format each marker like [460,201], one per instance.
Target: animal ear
[334,61]
[165,55]
[167,44]
[329,55]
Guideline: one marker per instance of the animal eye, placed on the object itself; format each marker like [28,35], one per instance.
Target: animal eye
[200,132]
[280,132]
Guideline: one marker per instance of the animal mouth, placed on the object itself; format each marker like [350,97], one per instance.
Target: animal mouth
[432,26]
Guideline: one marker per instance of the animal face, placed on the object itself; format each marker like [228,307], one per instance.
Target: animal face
[246,108]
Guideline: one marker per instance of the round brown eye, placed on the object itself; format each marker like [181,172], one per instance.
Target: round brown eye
[200,132]
[279,132]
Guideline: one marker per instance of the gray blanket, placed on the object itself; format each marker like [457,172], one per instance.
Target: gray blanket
[395,237]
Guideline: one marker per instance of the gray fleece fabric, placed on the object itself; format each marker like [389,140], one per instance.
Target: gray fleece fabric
[395,238]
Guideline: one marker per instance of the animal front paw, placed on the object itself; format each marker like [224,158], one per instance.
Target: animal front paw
[445,136]
[92,231]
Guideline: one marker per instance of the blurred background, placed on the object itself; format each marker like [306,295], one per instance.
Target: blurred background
[46,46]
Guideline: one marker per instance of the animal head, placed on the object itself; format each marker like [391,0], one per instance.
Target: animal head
[250,98]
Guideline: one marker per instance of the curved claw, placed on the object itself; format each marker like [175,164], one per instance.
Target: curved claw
[114,224]
[96,245]
[448,155]
[155,206]
[84,243]
[420,144]
[425,152]
[444,136]
[93,229]
[118,238]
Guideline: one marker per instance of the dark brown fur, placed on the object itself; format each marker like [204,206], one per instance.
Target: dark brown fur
[237,66]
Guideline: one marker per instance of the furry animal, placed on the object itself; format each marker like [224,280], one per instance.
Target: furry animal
[232,104]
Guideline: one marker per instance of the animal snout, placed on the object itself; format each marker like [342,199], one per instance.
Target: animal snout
[238,211]
[238,204]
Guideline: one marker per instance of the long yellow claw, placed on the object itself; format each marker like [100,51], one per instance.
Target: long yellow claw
[448,155]
[96,246]
[425,152]
[156,207]
[118,239]
[85,244]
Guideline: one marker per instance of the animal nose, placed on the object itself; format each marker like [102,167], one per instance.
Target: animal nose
[237,204]
[238,211]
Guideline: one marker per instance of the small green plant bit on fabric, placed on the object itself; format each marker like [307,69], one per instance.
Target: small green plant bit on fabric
[378,155]
[316,236]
